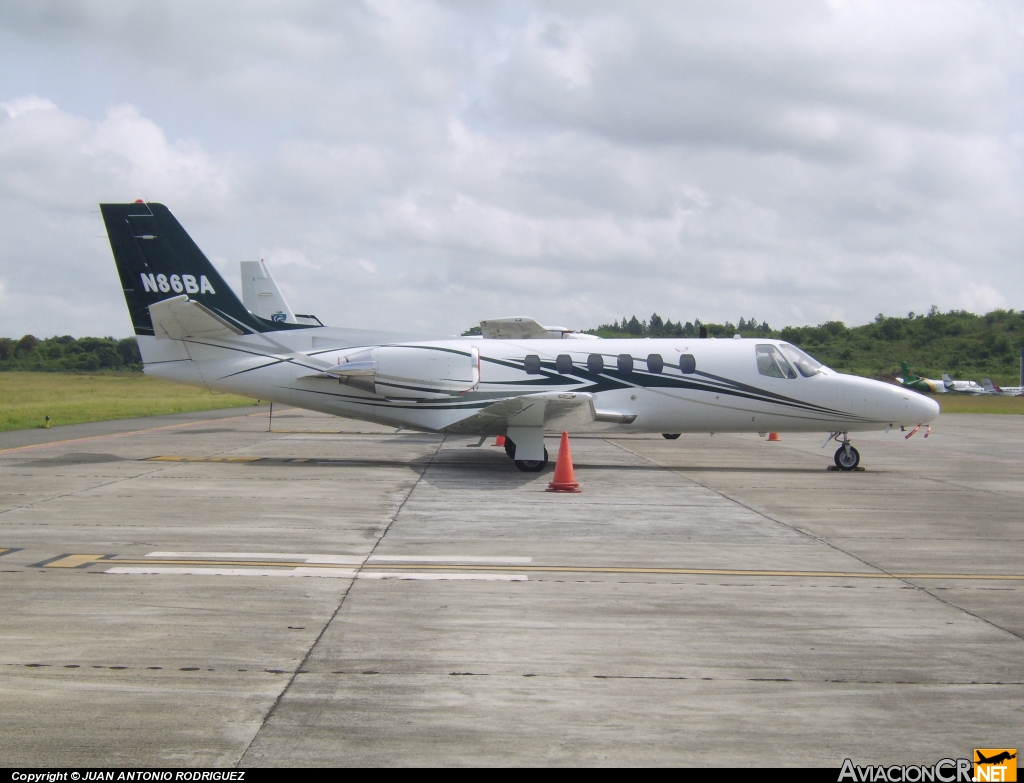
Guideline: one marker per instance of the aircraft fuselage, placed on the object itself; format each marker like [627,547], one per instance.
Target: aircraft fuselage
[439,385]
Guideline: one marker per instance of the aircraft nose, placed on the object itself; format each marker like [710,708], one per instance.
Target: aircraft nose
[926,408]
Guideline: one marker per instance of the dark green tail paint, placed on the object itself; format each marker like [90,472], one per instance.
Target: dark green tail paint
[157,260]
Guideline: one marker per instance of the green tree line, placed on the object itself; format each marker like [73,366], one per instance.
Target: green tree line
[66,354]
[963,344]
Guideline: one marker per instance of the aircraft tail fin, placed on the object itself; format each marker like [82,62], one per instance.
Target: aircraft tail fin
[908,376]
[261,296]
[157,260]
[989,386]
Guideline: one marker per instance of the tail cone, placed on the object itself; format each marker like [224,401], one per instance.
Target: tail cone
[774,436]
[565,478]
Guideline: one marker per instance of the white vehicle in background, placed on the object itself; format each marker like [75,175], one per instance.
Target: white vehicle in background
[518,379]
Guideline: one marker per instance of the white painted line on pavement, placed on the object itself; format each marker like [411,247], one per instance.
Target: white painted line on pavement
[333,573]
[264,556]
[336,573]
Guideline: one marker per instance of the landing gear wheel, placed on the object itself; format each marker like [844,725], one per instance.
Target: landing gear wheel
[510,448]
[533,465]
[670,435]
[847,458]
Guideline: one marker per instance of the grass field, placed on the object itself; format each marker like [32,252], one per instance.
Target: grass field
[963,403]
[27,398]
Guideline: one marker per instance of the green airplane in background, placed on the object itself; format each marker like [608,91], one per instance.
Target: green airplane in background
[930,386]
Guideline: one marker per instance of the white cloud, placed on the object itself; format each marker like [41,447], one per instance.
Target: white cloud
[26,104]
[424,165]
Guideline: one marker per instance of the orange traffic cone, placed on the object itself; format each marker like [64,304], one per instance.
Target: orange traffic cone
[499,441]
[774,436]
[565,478]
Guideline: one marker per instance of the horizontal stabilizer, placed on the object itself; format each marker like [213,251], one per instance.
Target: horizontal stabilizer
[180,318]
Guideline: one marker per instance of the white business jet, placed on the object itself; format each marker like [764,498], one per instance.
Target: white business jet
[518,378]
[1002,391]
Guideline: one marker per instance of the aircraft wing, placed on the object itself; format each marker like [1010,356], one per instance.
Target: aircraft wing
[515,328]
[550,410]
[179,318]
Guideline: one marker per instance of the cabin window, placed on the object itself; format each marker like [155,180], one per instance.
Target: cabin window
[687,364]
[655,363]
[563,363]
[595,363]
[625,363]
[772,363]
[532,364]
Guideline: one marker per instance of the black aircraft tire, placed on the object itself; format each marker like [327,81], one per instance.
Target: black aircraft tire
[670,435]
[510,448]
[847,461]
[533,465]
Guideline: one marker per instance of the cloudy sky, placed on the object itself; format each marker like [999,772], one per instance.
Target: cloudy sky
[423,165]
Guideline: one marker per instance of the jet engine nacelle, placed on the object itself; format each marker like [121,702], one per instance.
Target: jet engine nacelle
[421,373]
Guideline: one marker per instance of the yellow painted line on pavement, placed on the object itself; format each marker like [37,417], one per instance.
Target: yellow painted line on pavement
[75,561]
[69,561]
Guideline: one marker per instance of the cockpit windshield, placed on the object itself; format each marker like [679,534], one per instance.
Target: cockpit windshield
[806,364]
[772,363]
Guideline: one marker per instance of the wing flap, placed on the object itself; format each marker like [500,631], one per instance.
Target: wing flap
[550,410]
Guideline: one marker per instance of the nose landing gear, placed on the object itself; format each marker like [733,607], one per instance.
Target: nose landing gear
[847,457]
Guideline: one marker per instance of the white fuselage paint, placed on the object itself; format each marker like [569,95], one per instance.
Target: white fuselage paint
[430,385]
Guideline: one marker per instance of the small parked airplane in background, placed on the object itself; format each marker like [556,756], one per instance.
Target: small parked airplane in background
[518,378]
[962,387]
[925,385]
[1002,391]
[930,386]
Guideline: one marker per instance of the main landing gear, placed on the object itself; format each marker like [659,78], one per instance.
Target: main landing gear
[847,457]
[526,465]
[670,435]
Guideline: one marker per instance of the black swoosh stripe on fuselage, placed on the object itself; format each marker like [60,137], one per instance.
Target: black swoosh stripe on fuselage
[590,383]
